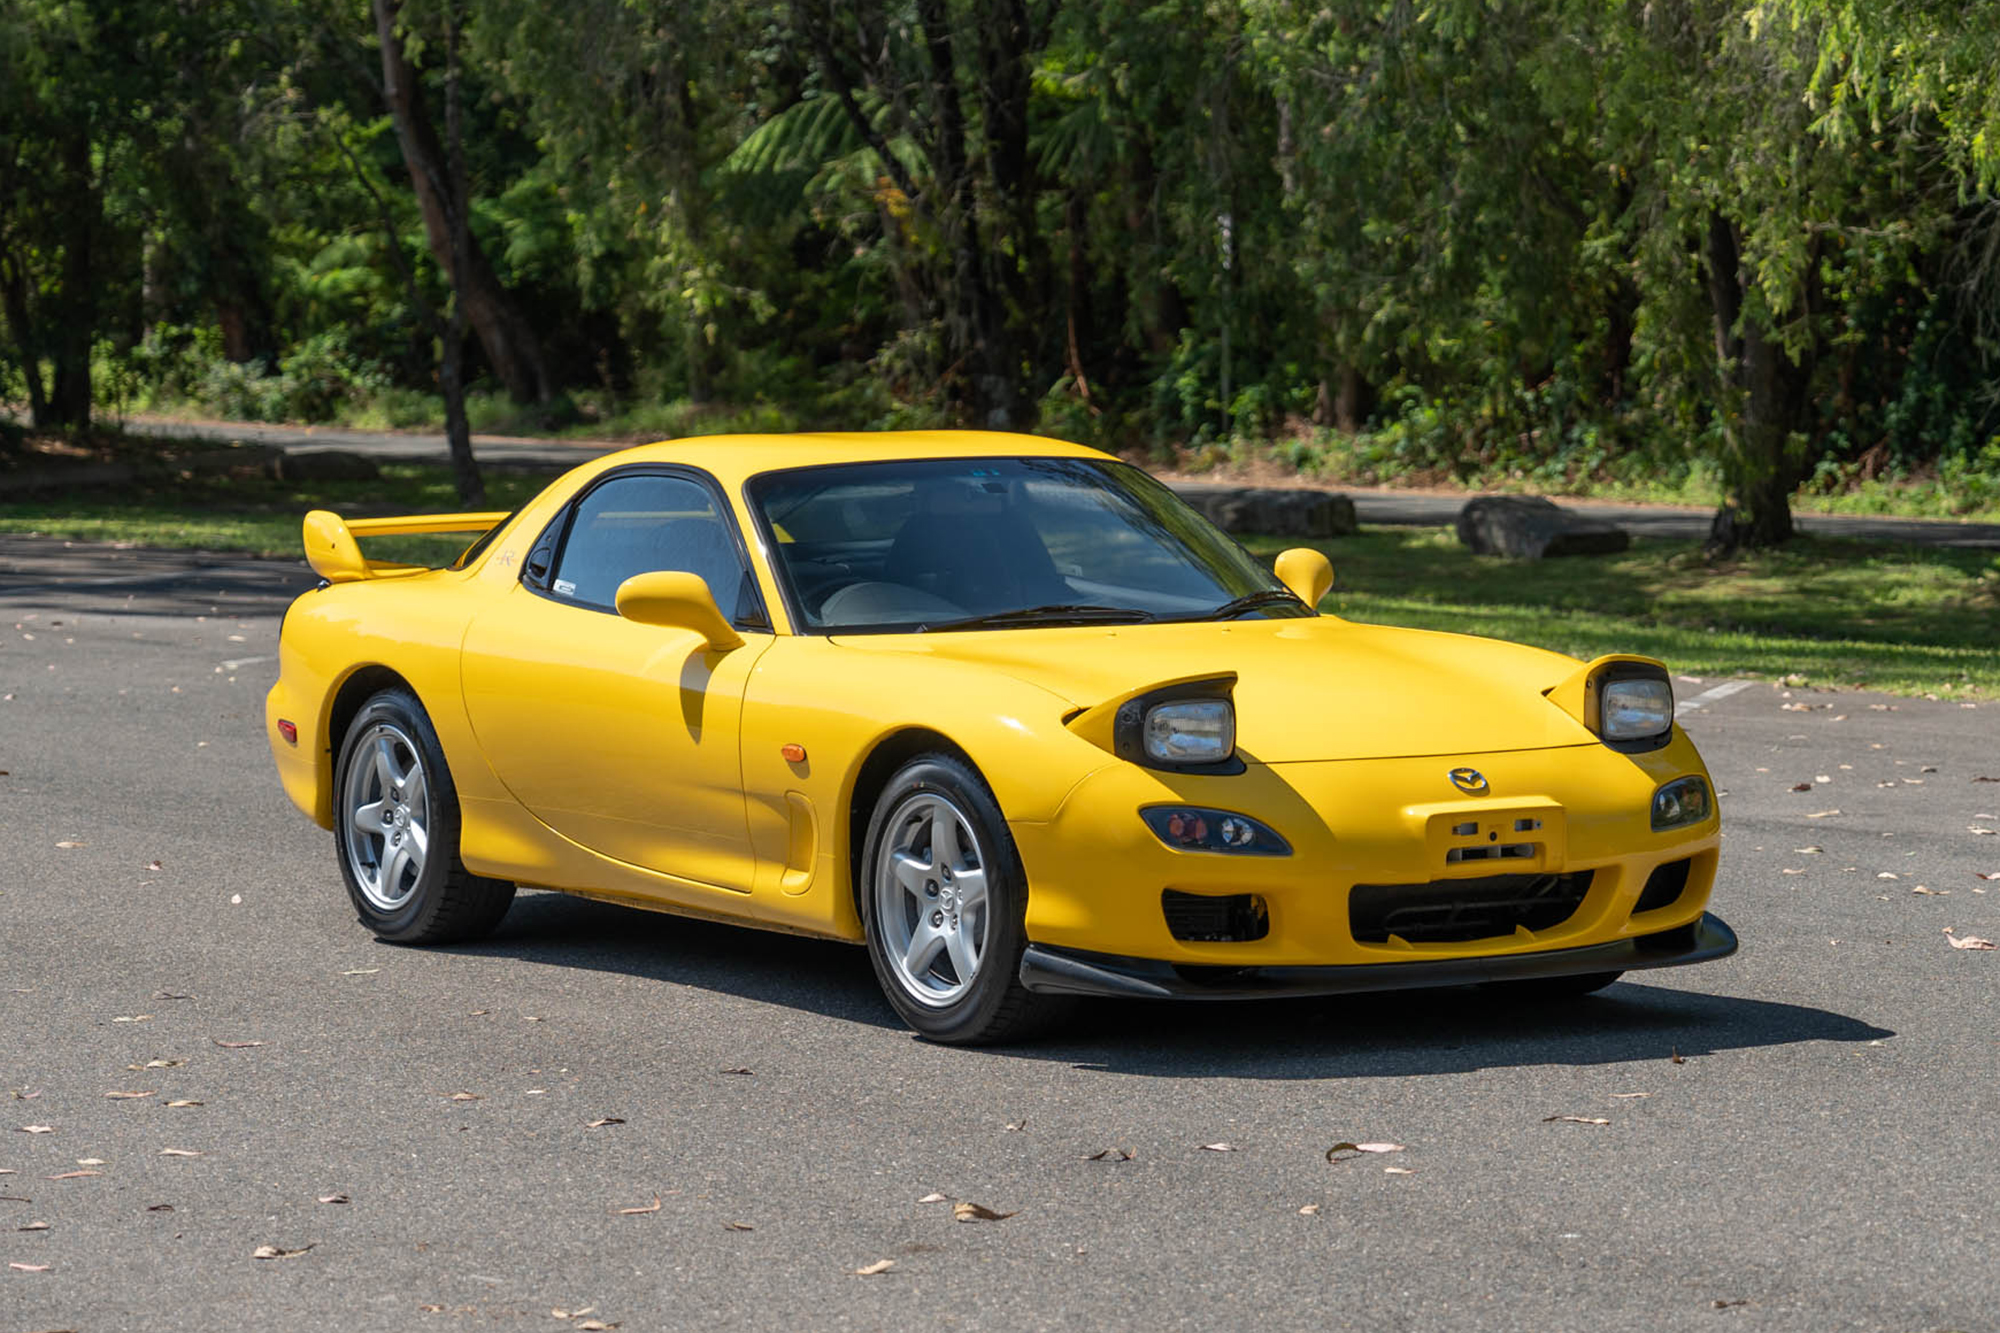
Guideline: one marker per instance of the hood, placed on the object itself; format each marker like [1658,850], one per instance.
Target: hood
[1314,689]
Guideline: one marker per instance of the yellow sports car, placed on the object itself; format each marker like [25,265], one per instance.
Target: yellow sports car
[1002,707]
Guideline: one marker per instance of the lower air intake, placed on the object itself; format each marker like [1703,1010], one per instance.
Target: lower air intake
[1215,918]
[1451,910]
[1664,886]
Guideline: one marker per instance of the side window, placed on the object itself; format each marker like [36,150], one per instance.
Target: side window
[637,524]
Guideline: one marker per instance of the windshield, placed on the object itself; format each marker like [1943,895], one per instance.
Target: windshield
[989,542]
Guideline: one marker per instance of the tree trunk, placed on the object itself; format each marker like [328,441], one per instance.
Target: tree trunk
[69,395]
[1764,396]
[457,429]
[14,292]
[509,341]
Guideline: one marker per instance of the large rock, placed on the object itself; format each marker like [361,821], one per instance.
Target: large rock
[1273,511]
[1528,527]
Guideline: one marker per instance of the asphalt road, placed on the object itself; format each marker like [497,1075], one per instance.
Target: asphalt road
[1802,1137]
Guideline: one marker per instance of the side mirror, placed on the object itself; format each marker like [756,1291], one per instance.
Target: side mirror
[673,599]
[1308,573]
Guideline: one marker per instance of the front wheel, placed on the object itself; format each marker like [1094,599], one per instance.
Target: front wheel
[396,830]
[944,899]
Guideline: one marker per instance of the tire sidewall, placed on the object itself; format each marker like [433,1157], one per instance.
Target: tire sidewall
[997,985]
[400,708]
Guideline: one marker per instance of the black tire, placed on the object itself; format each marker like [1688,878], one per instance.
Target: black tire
[924,923]
[1556,988]
[396,831]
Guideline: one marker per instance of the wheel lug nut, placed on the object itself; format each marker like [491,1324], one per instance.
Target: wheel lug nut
[937,918]
[931,888]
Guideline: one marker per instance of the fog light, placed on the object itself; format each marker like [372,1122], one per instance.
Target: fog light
[1187,828]
[1681,802]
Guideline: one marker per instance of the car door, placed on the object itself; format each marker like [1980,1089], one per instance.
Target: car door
[619,736]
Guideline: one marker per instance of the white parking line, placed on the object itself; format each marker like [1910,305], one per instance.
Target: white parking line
[1709,696]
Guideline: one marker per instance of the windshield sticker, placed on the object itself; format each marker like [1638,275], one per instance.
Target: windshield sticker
[565,587]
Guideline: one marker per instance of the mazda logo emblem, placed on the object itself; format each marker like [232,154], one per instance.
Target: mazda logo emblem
[1468,780]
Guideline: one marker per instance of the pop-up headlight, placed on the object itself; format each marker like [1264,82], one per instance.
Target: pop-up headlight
[1636,708]
[1190,731]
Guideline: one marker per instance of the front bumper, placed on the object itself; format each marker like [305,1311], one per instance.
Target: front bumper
[1058,971]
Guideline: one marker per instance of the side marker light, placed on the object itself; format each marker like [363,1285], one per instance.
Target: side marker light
[289,730]
[794,753]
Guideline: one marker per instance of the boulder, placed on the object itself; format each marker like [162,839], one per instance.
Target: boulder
[1529,527]
[1274,511]
[328,465]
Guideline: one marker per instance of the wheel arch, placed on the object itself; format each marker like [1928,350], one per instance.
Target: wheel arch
[889,754]
[360,685]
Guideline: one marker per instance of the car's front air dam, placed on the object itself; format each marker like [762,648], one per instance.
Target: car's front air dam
[1058,971]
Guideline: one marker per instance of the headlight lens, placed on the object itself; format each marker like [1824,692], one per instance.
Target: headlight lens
[1681,802]
[1635,708]
[1190,731]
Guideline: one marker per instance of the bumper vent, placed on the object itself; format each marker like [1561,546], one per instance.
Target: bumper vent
[1452,910]
[1664,886]
[1210,918]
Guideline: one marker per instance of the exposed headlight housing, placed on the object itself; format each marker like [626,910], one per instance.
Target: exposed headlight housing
[1190,731]
[1633,705]
[1682,802]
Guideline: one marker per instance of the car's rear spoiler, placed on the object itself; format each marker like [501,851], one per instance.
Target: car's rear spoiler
[335,556]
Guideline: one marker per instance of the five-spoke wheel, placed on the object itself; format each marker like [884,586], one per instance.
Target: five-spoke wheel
[943,898]
[396,828]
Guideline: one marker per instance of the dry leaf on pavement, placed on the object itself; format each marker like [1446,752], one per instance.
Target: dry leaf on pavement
[1966,941]
[935,1197]
[36,1129]
[237,1045]
[602,1121]
[1577,1119]
[127,1096]
[186,1101]
[1111,1155]
[652,1207]
[73,1175]
[878,1267]
[29,1268]
[179,1152]
[1338,1152]
[1219,1147]
[334,1198]
[34,1226]
[737,1226]
[976,1212]
[273,1252]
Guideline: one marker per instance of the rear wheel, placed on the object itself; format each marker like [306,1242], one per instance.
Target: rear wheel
[944,902]
[396,831]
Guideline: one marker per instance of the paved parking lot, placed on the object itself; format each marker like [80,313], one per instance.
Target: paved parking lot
[1801,1137]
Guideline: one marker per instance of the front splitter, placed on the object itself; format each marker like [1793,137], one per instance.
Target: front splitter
[1056,971]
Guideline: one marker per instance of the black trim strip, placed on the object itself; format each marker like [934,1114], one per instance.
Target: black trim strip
[1055,971]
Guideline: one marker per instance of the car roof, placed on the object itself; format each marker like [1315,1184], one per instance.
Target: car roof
[733,458]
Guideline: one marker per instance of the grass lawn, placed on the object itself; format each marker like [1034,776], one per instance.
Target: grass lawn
[1902,619]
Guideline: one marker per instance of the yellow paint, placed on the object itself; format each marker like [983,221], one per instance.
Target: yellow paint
[643,762]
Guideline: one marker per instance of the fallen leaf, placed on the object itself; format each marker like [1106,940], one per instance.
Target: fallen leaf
[1807,851]
[1724,1305]
[186,1102]
[159,1208]
[737,1226]
[170,995]
[739,1070]
[91,1161]
[1822,814]
[127,1096]
[334,1198]
[29,1268]
[361,971]
[1577,1119]
[1398,1171]
[1802,786]
[1982,832]
[935,1197]
[1966,941]
[1986,779]
[73,1175]
[1310,1210]
[1931,893]
[1357,1148]
[154,865]
[273,1252]
[1984,875]
[157,1064]
[880,1266]
[179,1152]
[37,1129]
[652,1207]
[975,1212]
[595,1326]
[1888,874]
[133,1018]
[1016,1126]
[236,1045]
[1627,1096]
[602,1121]
[70,844]
[34,1226]
[1789,870]
[1111,1155]
[465,1097]
[1821,777]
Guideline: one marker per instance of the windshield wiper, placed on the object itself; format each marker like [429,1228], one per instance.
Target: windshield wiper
[1250,602]
[1056,613]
